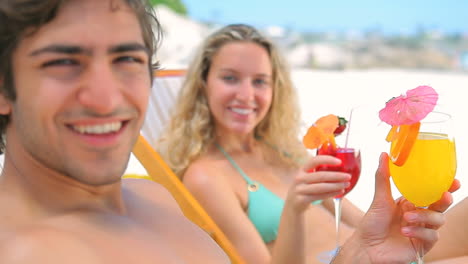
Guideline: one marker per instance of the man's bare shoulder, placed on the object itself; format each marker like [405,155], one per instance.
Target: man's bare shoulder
[164,214]
[43,244]
[151,192]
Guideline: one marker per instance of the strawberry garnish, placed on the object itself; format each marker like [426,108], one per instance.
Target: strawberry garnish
[341,126]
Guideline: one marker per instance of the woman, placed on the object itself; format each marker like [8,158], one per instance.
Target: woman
[233,140]
[453,244]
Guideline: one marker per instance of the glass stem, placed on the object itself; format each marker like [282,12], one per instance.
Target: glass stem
[418,245]
[419,249]
[337,202]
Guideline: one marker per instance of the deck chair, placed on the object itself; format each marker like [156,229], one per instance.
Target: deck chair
[164,92]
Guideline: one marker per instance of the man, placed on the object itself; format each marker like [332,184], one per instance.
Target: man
[75,92]
[75,76]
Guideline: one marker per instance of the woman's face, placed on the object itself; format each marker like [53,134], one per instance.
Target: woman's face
[239,87]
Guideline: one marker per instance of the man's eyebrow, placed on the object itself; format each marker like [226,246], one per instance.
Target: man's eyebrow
[128,47]
[73,50]
[61,49]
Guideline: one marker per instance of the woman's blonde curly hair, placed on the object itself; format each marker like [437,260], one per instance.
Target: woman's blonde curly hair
[191,129]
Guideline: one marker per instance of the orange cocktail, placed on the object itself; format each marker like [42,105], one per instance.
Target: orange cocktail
[429,170]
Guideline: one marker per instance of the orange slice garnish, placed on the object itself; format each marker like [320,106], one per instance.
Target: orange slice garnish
[320,132]
[314,137]
[403,138]
[328,124]
[392,134]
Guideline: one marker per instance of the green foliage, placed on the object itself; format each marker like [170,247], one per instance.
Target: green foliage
[175,5]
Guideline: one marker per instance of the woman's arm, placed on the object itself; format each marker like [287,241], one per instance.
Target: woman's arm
[306,188]
[460,260]
[218,198]
[453,240]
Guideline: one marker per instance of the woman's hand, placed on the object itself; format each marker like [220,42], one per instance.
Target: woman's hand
[310,185]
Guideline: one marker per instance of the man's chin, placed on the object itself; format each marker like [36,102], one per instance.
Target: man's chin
[93,179]
[99,172]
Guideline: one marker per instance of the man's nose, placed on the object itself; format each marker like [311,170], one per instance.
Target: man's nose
[102,90]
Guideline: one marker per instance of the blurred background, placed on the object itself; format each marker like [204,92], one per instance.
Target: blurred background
[332,35]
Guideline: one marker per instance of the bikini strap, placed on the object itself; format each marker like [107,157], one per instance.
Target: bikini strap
[234,164]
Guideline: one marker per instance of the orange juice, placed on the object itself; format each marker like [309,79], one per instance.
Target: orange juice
[429,170]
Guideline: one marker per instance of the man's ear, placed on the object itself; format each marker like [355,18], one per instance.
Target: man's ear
[5,103]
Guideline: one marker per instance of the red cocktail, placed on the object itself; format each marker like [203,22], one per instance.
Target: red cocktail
[350,163]
[321,136]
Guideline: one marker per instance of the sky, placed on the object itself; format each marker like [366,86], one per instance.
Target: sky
[389,16]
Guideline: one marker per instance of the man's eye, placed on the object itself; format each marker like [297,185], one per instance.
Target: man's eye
[129,59]
[60,62]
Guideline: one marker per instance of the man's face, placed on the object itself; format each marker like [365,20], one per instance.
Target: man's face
[82,85]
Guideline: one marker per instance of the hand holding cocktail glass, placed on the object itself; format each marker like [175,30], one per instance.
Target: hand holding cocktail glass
[321,136]
[422,153]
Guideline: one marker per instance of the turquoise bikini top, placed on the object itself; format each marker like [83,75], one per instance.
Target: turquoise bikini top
[264,208]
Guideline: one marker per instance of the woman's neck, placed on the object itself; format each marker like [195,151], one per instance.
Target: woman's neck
[238,143]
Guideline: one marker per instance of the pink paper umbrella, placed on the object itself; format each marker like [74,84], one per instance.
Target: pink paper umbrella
[410,108]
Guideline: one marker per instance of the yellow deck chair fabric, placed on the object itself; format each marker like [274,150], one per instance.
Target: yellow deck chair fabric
[166,87]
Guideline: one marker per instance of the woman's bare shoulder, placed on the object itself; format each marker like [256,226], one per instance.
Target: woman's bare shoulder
[206,178]
[207,169]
